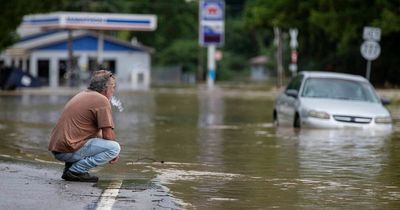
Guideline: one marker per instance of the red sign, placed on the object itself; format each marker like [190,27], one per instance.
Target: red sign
[293,56]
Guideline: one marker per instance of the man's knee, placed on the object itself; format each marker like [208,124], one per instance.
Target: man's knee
[115,148]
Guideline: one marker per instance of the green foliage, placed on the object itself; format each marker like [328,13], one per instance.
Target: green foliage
[330,31]
[12,14]
[175,40]
[183,52]
[230,66]
[389,17]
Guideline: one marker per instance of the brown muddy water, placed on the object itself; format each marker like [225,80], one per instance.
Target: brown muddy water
[221,151]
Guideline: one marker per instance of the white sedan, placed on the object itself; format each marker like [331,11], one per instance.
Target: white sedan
[330,100]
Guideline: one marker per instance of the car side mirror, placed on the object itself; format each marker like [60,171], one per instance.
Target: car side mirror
[385,101]
[291,92]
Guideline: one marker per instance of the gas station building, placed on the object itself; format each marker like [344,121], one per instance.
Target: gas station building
[50,43]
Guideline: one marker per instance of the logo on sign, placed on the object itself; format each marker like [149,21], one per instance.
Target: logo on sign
[85,20]
[213,10]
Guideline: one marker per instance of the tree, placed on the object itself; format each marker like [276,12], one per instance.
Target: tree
[331,31]
[12,13]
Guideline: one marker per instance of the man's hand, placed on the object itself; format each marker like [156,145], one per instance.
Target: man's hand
[114,160]
[108,133]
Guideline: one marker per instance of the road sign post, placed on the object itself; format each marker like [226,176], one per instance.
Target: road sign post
[293,32]
[370,48]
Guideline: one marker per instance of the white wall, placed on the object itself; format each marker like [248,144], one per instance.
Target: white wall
[131,65]
[128,66]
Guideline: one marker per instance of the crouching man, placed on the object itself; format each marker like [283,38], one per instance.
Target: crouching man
[83,137]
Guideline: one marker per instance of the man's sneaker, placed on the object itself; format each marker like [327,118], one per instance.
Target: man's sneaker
[79,177]
[67,166]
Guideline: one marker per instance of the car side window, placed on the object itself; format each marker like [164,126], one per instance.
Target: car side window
[295,84]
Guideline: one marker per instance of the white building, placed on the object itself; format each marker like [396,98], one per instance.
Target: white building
[45,48]
[45,55]
[259,70]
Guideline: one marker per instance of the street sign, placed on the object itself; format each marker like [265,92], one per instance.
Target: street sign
[293,32]
[211,18]
[372,33]
[218,55]
[293,56]
[370,50]
[293,68]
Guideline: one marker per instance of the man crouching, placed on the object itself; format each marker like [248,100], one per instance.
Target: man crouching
[83,137]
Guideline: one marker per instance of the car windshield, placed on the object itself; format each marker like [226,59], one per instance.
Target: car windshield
[339,89]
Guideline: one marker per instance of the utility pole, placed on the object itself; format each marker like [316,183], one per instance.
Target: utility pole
[293,32]
[279,56]
[70,62]
[200,73]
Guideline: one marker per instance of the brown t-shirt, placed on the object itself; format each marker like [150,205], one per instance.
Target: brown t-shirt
[82,118]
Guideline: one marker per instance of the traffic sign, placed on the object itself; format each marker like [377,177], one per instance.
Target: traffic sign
[293,68]
[293,56]
[293,32]
[372,33]
[370,50]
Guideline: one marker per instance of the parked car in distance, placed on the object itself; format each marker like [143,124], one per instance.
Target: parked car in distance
[330,100]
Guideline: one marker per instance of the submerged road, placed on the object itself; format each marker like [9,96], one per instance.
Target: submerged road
[220,151]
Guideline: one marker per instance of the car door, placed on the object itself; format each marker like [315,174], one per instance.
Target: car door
[287,102]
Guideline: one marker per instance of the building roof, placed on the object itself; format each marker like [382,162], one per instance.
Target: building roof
[82,40]
[90,20]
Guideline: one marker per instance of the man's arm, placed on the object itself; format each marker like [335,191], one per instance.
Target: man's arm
[108,133]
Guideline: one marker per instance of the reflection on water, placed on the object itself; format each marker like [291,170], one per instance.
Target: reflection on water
[338,166]
[209,151]
[211,115]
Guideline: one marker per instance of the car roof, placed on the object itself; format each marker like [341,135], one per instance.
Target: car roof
[325,74]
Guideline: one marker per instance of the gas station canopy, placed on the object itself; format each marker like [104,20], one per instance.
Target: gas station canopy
[95,21]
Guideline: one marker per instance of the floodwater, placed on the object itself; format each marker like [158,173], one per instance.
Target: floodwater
[211,150]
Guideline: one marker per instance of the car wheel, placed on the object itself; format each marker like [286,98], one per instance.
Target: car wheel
[275,117]
[297,121]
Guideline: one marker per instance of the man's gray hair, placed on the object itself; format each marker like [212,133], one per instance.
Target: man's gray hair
[99,80]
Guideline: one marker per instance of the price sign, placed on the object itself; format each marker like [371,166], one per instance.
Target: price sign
[211,18]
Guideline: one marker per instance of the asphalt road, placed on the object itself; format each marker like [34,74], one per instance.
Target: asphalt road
[26,185]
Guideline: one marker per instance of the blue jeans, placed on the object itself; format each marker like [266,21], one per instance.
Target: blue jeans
[95,152]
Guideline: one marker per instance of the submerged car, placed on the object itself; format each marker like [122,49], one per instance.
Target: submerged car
[330,100]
